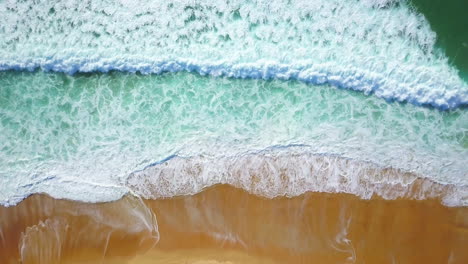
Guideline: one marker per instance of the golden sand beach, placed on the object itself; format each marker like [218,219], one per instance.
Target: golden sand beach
[224,224]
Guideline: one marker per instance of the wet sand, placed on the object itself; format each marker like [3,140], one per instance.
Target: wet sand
[224,224]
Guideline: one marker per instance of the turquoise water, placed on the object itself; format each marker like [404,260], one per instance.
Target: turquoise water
[99,128]
[93,92]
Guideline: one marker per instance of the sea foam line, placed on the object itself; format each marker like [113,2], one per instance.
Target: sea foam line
[287,171]
[417,92]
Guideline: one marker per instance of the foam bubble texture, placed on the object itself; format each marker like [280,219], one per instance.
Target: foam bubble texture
[374,46]
[288,173]
[79,137]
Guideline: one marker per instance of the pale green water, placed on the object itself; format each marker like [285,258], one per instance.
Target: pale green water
[98,128]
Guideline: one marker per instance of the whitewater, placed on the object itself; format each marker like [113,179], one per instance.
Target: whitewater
[163,98]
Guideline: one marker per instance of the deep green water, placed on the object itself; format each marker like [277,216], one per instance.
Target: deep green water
[449,19]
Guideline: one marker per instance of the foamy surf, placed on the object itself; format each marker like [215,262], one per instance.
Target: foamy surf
[80,137]
[376,47]
[289,173]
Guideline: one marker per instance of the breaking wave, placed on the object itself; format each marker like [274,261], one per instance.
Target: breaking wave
[80,137]
[287,172]
[376,47]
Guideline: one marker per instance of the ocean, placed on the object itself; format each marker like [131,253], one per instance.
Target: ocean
[220,123]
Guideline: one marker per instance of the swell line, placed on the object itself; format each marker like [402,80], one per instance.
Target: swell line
[417,92]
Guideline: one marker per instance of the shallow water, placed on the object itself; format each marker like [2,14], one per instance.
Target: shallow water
[80,137]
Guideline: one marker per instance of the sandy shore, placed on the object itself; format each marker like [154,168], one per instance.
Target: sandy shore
[224,224]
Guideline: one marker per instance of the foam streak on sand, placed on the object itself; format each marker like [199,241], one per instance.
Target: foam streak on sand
[223,224]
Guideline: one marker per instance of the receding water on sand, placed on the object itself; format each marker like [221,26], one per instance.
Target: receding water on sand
[224,224]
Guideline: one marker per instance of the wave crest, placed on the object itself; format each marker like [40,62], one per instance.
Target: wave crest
[369,46]
[272,174]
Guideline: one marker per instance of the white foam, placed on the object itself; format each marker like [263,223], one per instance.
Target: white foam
[79,137]
[15,189]
[371,46]
[289,173]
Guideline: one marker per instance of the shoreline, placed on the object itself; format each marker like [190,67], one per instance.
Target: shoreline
[311,227]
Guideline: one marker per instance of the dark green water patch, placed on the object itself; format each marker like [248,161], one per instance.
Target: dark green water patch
[449,19]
